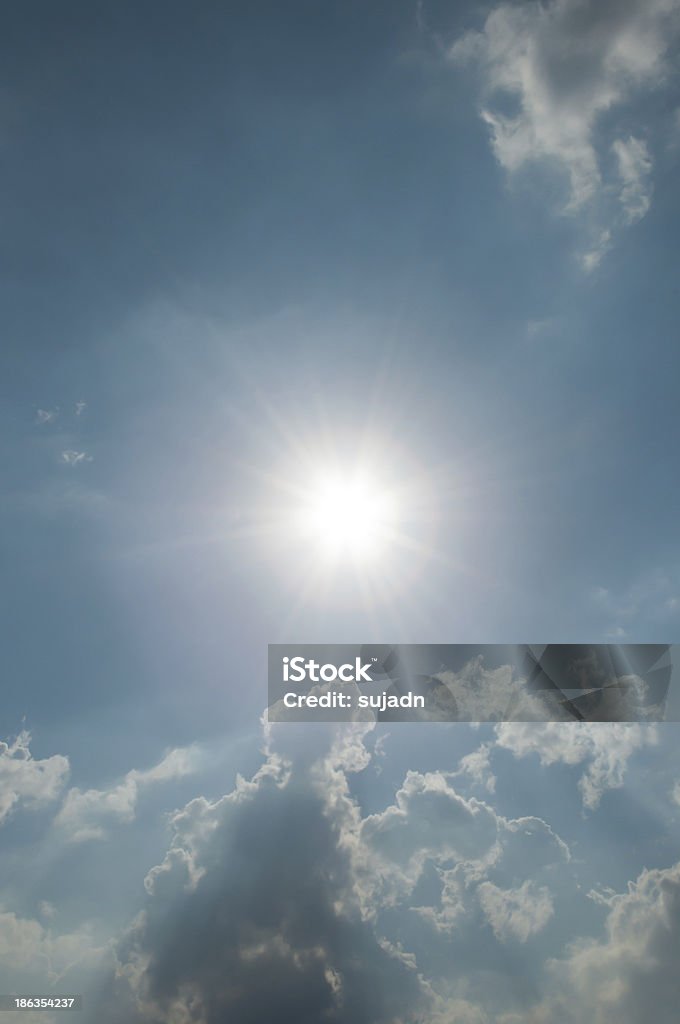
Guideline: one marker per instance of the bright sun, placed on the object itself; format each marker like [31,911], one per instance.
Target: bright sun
[348,515]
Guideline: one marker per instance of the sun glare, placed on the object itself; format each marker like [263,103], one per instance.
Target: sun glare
[348,515]
[346,522]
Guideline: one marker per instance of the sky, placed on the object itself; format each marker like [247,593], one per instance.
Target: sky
[243,246]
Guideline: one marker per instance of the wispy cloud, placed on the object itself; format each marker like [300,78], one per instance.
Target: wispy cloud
[635,168]
[70,457]
[550,71]
[86,814]
[603,748]
[43,416]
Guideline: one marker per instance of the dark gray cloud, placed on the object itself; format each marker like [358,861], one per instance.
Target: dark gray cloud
[252,917]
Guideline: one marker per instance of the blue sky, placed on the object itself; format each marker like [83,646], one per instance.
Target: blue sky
[242,243]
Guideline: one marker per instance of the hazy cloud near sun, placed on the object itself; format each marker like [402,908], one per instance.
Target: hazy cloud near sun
[549,74]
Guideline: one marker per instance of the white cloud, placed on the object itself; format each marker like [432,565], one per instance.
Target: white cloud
[516,913]
[25,943]
[591,258]
[46,415]
[86,814]
[551,71]
[605,748]
[429,819]
[635,167]
[356,916]
[478,766]
[27,781]
[631,976]
[80,408]
[431,827]
[70,457]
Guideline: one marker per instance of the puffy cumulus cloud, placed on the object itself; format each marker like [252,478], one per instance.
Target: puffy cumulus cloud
[27,781]
[604,748]
[552,70]
[253,916]
[468,844]
[632,974]
[282,901]
[516,913]
[85,814]
[429,819]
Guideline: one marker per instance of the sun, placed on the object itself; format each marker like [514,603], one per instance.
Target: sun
[348,514]
[344,521]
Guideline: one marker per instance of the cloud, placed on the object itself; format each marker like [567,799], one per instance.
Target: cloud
[284,900]
[551,71]
[86,814]
[516,913]
[74,458]
[27,781]
[26,943]
[46,415]
[80,408]
[591,258]
[263,886]
[429,824]
[635,166]
[631,975]
[605,749]
[479,857]
[477,766]
[284,889]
